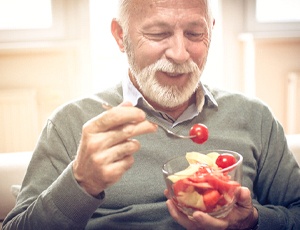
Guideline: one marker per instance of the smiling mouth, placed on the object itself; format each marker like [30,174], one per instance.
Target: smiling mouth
[174,74]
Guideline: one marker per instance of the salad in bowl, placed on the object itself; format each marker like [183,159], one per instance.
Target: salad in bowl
[205,181]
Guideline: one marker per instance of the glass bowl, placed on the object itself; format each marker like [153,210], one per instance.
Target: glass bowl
[197,183]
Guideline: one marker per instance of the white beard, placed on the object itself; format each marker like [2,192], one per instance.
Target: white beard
[168,96]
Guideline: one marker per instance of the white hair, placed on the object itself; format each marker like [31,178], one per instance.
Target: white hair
[123,14]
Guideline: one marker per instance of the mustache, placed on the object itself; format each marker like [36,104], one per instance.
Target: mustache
[170,67]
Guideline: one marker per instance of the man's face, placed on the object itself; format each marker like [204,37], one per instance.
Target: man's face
[167,46]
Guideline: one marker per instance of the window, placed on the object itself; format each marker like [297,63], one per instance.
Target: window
[273,17]
[277,11]
[31,20]
[25,14]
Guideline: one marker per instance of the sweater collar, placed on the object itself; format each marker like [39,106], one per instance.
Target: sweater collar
[203,96]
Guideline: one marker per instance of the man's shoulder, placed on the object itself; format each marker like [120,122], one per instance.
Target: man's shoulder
[88,106]
[222,94]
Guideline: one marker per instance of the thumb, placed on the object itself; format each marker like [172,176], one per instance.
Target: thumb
[125,103]
[243,197]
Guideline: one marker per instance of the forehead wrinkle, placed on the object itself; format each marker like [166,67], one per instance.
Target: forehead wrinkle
[178,3]
[143,6]
[148,10]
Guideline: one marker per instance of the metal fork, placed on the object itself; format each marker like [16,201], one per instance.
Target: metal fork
[107,106]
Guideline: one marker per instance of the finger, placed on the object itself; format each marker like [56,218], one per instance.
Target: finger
[205,221]
[118,160]
[118,152]
[248,214]
[106,175]
[111,173]
[179,216]
[104,140]
[125,103]
[121,166]
[243,197]
[167,194]
[104,168]
[115,117]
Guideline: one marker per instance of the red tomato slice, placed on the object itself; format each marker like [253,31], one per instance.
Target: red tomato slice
[211,198]
[196,179]
[199,185]
[182,186]
[201,133]
[222,201]
[221,185]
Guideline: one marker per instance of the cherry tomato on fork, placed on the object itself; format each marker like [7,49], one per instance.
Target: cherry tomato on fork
[200,132]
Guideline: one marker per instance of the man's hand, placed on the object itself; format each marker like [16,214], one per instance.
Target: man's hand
[242,216]
[106,149]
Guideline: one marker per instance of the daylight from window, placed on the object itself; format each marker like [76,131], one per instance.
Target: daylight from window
[25,14]
[278,10]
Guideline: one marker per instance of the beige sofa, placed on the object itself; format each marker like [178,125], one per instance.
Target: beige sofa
[12,170]
[13,167]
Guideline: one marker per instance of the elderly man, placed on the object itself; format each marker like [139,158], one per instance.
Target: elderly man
[101,169]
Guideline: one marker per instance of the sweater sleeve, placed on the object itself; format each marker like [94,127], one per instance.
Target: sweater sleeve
[277,185]
[50,197]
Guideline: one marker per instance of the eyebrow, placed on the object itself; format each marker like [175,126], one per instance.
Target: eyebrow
[201,23]
[161,24]
[157,23]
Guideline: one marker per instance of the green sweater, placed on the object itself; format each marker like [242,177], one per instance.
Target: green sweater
[50,197]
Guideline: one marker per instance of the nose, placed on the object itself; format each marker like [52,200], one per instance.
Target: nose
[177,51]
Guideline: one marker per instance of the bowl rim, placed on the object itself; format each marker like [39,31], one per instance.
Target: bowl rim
[209,151]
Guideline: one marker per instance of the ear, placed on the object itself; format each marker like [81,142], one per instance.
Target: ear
[117,32]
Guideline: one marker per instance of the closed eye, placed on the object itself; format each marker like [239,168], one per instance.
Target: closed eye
[157,36]
[195,36]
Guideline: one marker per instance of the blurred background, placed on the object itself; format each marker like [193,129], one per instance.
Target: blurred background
[53,51]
